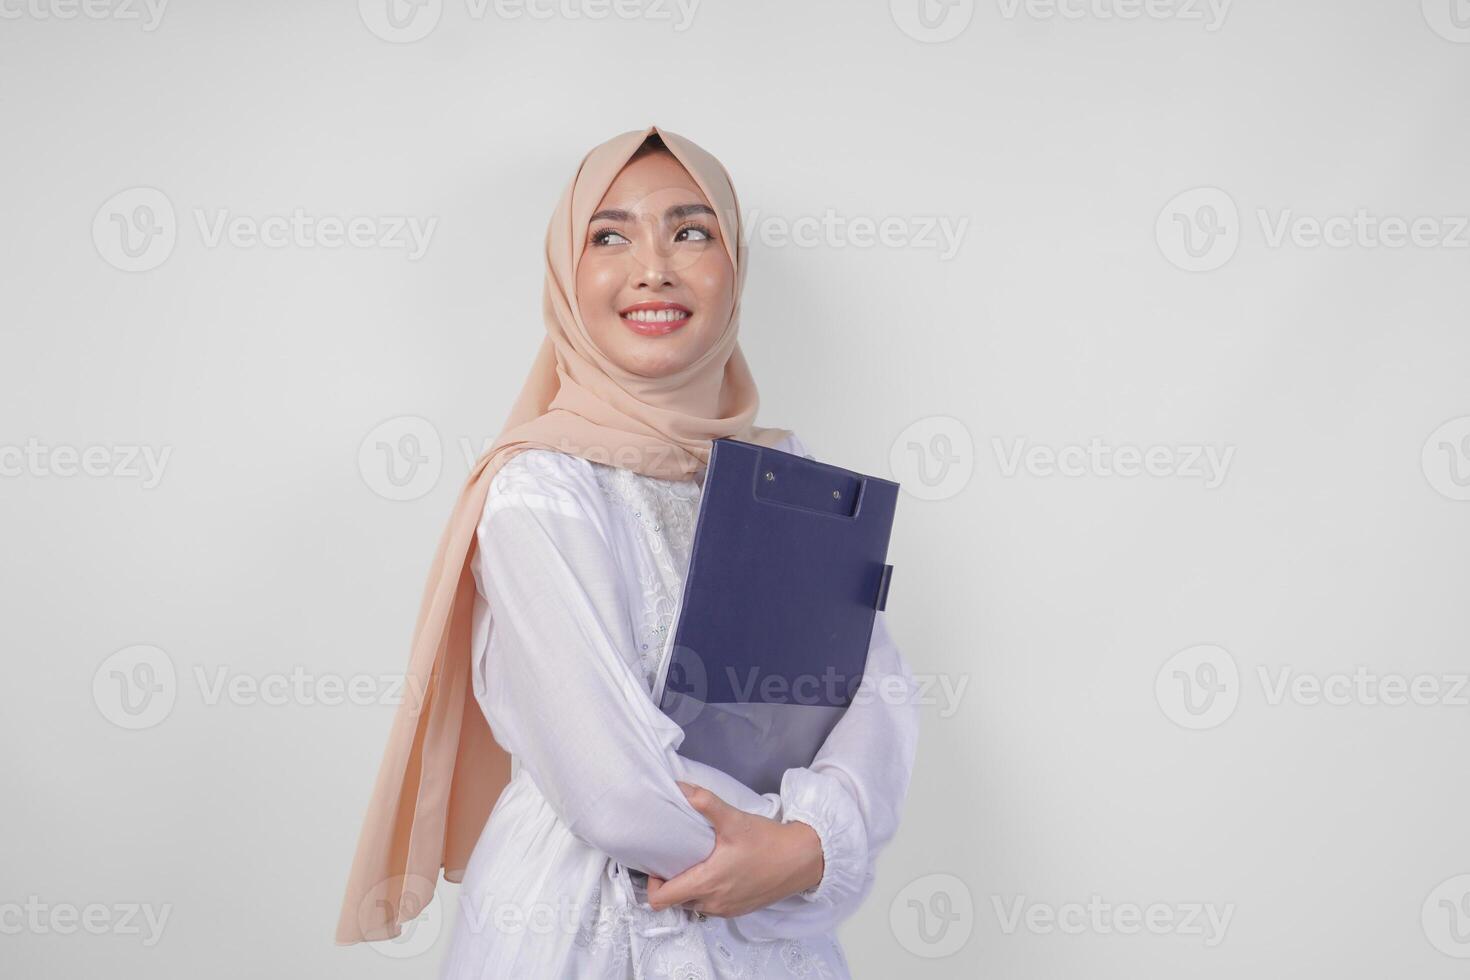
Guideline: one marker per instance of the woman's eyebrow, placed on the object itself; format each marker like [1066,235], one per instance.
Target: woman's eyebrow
[680,211]
[676,213]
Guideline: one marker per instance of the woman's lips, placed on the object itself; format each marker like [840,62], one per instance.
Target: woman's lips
[655,319]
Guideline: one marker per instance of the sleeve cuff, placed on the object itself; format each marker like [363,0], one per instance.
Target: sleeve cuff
[819,801]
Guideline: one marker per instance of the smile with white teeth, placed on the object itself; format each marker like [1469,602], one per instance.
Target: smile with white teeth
[655,316]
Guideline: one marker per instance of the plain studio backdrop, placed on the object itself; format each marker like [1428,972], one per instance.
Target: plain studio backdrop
[1157,311]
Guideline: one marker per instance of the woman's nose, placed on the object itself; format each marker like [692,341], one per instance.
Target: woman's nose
[652,269]
[652,257]
[653,279]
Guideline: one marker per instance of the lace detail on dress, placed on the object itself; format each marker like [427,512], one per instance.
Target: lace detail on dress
[607,924]
[692,953]
[660,507]
[664,512]
[800,962]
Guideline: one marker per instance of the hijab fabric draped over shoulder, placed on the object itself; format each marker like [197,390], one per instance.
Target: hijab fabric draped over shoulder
[442,771]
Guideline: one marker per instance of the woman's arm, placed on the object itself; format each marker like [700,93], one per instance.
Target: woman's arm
[555,686]
[852,795]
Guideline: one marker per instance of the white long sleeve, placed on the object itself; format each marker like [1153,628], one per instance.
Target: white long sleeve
[566,701]
[563,699]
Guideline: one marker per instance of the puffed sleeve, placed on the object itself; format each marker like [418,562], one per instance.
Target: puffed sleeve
[554,685]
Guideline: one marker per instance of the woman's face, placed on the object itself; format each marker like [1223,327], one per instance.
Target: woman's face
[654,285]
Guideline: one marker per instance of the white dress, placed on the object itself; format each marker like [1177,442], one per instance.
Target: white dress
[583,565]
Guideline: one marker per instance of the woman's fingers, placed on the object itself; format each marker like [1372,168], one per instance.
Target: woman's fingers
[756,861]
[728,821]
[687,887]
[714,809]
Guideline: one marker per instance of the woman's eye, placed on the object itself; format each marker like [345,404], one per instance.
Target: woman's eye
[608,236]
[693,233]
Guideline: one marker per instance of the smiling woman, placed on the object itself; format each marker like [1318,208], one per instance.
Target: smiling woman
[654,267]
[607,854]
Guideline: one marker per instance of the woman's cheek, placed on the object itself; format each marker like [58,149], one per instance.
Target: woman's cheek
[712,286]
[597,285]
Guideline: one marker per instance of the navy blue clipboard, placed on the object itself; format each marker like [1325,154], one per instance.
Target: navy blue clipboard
[786,575]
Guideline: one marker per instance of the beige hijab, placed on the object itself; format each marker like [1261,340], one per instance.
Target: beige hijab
[443,771]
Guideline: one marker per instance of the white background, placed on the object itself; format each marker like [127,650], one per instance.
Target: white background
[1082,760]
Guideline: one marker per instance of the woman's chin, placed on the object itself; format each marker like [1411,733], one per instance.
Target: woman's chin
[655,366]
[654,357]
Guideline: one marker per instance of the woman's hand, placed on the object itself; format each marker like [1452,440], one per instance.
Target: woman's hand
[756,861]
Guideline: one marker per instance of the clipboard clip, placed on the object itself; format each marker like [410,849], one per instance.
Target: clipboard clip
[883,580]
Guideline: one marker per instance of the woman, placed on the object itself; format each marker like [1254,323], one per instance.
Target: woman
[545,620]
